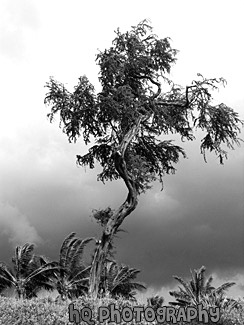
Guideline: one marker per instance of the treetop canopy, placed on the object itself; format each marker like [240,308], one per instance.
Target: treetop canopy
[131,111]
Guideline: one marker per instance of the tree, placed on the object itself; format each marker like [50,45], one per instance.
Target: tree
[197,289]
[129,117]
[29,274]
[118,280]
[72,277]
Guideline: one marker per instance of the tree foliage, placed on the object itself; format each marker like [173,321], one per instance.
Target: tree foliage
[72,277]
[118,280]
[131,73]
[198,289]
[155,302]
[29,273]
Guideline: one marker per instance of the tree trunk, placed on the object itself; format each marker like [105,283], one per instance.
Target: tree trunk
[102,250]
[118,216]
[21,290]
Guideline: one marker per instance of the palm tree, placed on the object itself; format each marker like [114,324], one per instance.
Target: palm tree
[197,289]
[29,274]
[72,278]
[117,281]
[218,299]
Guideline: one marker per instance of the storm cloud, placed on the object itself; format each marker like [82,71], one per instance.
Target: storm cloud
[198,219]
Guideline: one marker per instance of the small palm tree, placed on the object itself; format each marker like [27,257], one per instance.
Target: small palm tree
[29,275]
[219,299]
[155,302]
[72,278]
[193,292]
[118,280]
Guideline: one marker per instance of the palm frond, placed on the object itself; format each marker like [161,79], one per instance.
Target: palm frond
[224,287]
[118,280]
[137,286]
[121,273]
[6,274]
[208,286]
[81,274]
[42,269]
[71,252]
[78,257]
[198,290]
[180,302]
[64,249]
[185,285]
[83,282]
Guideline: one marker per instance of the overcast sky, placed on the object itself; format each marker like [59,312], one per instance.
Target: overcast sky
[199,217]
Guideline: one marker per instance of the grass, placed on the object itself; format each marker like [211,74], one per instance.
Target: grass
[50,311]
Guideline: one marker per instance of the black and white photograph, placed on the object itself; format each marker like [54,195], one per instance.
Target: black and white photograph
[121,161]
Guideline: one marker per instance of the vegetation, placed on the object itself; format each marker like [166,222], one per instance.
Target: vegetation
[127,120]
[48,312]
[155,302]
[30,273]
[197,289]
[71,278]
[129,116]
[117,281]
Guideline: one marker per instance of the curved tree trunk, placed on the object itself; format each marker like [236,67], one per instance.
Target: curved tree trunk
[119,215]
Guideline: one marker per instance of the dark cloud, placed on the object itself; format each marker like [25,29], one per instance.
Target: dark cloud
[196,220]
[44,195]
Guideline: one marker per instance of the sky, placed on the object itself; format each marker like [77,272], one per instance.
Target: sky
[198,219]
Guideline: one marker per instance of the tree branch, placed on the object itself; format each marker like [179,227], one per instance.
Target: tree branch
[153,82]
[178,104]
